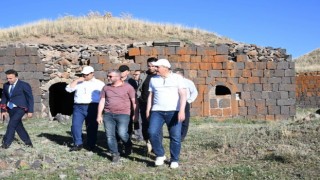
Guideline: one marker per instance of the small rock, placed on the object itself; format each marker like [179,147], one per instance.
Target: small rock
[21,164]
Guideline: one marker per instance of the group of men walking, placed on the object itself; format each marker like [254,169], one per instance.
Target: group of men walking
[161,97]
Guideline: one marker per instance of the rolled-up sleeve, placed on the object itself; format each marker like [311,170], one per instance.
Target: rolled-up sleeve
[69,89]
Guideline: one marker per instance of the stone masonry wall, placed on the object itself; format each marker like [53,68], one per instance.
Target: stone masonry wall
[233,80]
[308,89]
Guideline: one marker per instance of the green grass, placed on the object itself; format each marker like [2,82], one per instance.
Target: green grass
[232,149]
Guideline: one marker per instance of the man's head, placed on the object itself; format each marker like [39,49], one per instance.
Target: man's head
[136,75]
[87,73]
[124,69]
[152,68]
[12,76]
[179,71]
[162,67]
[114,76]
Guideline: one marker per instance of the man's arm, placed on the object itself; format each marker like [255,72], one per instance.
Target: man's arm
[193,92]
[100,109]
[29,98]
[182,101]
[71,87]
[149,104]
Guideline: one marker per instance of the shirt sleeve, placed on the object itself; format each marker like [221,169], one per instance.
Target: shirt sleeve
[193,92]
[69,89]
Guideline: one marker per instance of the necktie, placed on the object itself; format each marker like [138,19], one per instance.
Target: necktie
[10,104]
[11,90]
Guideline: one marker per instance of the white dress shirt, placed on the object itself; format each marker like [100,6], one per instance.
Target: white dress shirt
[87,91]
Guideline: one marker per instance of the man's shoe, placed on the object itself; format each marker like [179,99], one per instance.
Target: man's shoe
[149,147]
[128,149]
[160,160]
[30,145]
[174,165]
[76,148]
[4,146]
[115,158]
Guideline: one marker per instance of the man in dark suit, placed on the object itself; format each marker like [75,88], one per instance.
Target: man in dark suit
[17,99]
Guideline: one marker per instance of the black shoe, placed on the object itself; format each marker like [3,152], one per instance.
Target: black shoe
[128,149]
[76,148]
[30,145]
[91,148]
[115,158]
[4,146]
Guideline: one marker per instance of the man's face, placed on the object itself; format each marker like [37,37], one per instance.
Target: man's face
[113,77]
[151,68]
[161,70]
[124,74]
[11,78]
[136,75]
[88,77]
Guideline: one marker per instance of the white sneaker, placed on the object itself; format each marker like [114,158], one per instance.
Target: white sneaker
[174,165]
[160,160]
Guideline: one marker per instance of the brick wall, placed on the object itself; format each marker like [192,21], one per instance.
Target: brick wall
[308,89]
[29,66]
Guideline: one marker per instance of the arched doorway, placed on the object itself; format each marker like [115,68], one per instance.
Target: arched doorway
[60,101]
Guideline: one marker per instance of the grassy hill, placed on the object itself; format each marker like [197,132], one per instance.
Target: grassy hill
[96,28]
[308,62]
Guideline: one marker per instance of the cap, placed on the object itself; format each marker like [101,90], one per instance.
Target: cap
[87,70]
[123,68]
[162,62]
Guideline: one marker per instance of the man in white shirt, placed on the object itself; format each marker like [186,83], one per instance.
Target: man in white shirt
[192,94]
[167,100]
[86,98]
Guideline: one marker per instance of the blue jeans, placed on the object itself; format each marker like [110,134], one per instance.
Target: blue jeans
[157,120]
[116,123]
[87,113]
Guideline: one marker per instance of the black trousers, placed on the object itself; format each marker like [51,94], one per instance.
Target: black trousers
[185,123]
[144,120]
[15,124]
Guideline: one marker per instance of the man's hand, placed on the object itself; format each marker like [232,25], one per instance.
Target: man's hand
[4,115]
[99,120]
[29,115]
[181,116]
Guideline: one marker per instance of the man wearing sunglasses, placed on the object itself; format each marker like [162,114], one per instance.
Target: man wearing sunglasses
[86,98]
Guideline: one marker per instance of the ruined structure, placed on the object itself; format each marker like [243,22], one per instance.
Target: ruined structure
[233,80]
[308,89]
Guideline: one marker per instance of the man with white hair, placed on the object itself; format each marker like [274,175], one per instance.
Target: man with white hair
[167,100]
[86,98]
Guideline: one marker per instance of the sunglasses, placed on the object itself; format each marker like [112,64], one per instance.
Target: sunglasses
[111,76]
[84,75]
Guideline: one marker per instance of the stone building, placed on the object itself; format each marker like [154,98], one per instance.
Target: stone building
[233,80]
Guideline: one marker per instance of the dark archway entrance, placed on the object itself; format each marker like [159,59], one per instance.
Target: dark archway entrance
[60,101]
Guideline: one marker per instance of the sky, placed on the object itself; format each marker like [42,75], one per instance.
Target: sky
[290,24]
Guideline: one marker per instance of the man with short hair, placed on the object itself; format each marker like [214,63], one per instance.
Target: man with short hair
[167,100]
[86,98]
[16,99]
[116,100]
[192,94]
[143,99]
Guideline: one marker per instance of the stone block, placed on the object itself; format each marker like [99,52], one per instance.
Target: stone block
[258,87]
[239,65]
[97,67]
[184,58]
[271,65]
[266,87]
[250,65]
[275,80]
[286,80]
[195,59]
[103,59]
[284,94]
[292,110]
[224,103]
[20,51]
[207,59]
[262,110]
[287,87]
[2,52]
[226,112]
[21,59]
[242,58]
[273,110]
[271,102]
[194,66]
[199,81]
[252,110]
[19,67]
[285,110]
[170,50]
[282,117]
[205,66]
[261,65]
[248,87]
[253,80]
[243,80]
[275,87]
[216,112]
[174,58]
[209,51]
[245,95]
[290,72]
[270,117]
[10,51]
[190,50]
[256,95]
[146,51]
[202,73]
[279,73]
[100,74]
[236,73]
[283,65]
[246,73]
[221,58]
[243,111]
[216,66]
[34,60]
[213,103]
[286,102]
[6,60]
[163,56]
[32,51]
[222,49]
[30,67]
[228,65]
[257,73]
[274,95]
[134,51]
[40,67]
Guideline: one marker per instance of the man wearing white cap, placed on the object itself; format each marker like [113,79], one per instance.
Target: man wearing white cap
[167,100]
[86,98]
